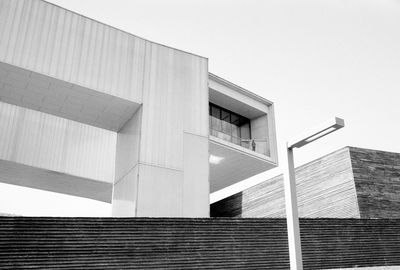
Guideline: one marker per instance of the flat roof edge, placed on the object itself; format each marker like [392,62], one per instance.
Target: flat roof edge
[239,89]
[157,43]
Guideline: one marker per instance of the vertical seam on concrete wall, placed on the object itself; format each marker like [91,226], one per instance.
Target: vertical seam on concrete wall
[114,180]
[145,64]
[208,140]
[172,57]
[138,163]
[354,183]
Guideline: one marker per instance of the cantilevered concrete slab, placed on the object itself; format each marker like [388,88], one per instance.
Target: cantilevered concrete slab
[231,163]
[34,177]
[36,91]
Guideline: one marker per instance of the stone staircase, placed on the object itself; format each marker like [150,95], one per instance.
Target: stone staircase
[178,243]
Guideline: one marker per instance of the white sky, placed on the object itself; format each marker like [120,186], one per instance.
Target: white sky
[313,58]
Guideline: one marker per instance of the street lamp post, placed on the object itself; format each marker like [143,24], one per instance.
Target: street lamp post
[292,217]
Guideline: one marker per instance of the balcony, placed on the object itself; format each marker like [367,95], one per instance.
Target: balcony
[235,129]
[253,145]
[242,141]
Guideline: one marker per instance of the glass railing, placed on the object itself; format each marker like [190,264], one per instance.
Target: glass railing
[258,146]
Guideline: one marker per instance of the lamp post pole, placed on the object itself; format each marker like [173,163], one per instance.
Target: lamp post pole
[292,215]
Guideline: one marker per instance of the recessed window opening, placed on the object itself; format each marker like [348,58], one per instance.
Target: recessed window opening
[229,126]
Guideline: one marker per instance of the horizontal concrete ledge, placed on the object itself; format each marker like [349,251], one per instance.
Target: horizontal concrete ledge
[33,177]
[39,92]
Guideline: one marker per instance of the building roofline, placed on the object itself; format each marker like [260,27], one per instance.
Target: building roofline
[363,149]
[239,89]
[84,16]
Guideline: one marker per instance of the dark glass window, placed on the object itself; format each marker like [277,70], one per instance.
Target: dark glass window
[216,112]
[225,116]
[235,120]
[228,125]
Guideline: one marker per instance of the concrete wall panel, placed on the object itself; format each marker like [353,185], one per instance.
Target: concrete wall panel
[125,195]
[196,187]
[127,153]
[196,96]
[42,37]
[174,92]
[162,134]
[42,140]
[160,192]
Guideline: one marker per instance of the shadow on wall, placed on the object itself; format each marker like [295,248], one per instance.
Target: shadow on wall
[228,207]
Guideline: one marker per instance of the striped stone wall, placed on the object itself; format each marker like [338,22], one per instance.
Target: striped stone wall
[325,188]
[350,182]
[177,243]
[377,181]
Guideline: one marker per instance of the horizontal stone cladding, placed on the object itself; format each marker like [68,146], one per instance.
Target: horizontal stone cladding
[348,183]
[325,189]
[377,182]
[177,243]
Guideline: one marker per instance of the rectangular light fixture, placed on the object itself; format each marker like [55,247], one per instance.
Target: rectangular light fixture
[215,159]
[317,132]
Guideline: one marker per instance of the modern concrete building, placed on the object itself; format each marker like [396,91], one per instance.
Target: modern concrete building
[93,111]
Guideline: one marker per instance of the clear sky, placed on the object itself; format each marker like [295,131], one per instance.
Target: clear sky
[313,58]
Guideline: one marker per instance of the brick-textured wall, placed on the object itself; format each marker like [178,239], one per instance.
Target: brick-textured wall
[159,243]
[377,181]
[325,188]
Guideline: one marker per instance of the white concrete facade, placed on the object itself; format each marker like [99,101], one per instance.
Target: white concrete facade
[92,111]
